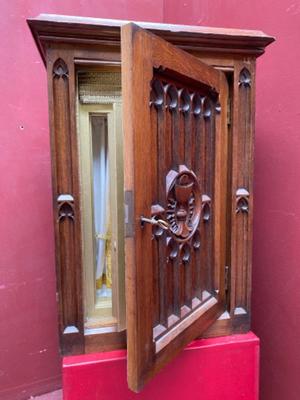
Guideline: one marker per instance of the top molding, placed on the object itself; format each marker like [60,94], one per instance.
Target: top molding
[68,29]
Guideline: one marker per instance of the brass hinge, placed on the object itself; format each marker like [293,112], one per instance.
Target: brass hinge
[128,211]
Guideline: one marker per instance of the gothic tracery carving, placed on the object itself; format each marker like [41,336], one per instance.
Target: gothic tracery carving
[245,78]
[65,208]
[242,201]
[60,69]
[184,207]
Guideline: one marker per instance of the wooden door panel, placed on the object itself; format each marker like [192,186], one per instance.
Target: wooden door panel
[175,175]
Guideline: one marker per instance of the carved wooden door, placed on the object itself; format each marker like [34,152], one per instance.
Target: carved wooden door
[175,111]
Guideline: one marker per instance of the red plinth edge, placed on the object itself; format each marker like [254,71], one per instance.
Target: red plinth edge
[208,369]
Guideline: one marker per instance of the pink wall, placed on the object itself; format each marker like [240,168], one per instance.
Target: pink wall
[29,357]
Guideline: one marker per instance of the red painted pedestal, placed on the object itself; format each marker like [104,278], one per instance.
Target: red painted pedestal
[223,368]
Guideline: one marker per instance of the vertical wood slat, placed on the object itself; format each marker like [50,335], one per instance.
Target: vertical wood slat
[168,134]
[155,239]
[188,279]
[176,159]
[61,86]
[213,178]
[228,264]
[186,109]
[198,139]
[173,105]
[208,183]
[242,188]
[161,190]
[204,226]
[174,109]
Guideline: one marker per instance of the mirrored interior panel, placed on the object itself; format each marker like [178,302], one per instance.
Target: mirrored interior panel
[101,214]
[101,162]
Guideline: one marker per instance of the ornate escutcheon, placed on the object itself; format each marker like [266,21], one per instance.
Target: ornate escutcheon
[183,203]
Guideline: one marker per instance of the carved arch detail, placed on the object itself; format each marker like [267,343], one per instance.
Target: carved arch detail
[60,69]
[242,201]
[65,208]
[245,78]
[183,100]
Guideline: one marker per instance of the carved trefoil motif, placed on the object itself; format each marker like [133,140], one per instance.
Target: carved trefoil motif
[242,201]
[65,207]
[245,78]
[60,69]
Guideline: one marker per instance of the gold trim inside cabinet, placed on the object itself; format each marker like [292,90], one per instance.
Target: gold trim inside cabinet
[102,318]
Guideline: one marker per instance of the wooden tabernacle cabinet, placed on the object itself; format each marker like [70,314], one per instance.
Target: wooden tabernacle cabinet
[188,99]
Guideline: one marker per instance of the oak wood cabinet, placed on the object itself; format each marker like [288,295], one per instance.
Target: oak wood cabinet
[188,97]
